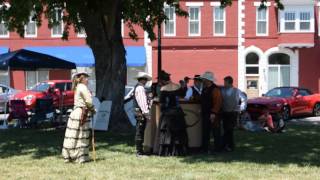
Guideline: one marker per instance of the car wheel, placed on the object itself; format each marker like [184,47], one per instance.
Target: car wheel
[286,113]
[316,110]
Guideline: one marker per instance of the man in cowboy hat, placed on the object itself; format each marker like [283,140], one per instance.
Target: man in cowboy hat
[142,110]
[195,91]
[211,101]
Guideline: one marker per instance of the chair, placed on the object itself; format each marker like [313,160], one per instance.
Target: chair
[44,111]
[18,111]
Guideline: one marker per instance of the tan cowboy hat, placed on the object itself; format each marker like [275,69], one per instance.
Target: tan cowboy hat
[80,73]
[143,75]
[208,76]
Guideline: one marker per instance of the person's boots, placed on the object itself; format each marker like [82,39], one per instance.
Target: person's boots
[139,148]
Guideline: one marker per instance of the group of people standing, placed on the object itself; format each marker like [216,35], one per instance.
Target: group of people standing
[220,107]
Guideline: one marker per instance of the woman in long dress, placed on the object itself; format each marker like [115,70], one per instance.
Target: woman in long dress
[173,134]
[77,136]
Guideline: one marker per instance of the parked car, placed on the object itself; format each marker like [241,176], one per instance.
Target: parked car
[59,90]
[5,94]
[289,101]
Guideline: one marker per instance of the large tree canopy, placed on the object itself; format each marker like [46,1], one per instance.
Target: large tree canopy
[101,20]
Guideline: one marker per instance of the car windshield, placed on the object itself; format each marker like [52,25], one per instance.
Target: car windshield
[280,92]
[42,87]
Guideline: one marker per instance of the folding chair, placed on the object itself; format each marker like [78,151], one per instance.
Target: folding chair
[44,111]
[18,112]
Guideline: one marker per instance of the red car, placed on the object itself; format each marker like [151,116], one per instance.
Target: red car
[288,101]
[59,90]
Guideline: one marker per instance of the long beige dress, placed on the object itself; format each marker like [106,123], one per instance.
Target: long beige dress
[77,137]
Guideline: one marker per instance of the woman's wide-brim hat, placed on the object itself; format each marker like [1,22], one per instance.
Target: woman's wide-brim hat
[208,76]
[143,75]
[164,76]
[80,73]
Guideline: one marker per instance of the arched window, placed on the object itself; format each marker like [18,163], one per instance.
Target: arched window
[252,64]
[279,70]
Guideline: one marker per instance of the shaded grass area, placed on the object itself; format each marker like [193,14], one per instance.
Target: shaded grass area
[35,154]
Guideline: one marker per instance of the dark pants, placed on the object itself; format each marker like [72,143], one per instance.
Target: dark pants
[140,128]
[229,120]
[207,129]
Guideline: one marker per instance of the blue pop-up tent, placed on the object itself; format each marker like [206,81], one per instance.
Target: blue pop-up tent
[30,60]
[83,56]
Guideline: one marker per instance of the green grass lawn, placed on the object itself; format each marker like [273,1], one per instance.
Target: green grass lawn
[35,154]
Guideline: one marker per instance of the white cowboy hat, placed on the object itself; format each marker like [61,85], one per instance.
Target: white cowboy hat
[208,76]
[143,75]
[80,73]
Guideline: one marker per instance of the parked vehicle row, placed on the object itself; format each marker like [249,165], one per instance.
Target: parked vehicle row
[287,101]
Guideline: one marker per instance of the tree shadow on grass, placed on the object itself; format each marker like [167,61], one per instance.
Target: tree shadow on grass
[300,145]
[41,143]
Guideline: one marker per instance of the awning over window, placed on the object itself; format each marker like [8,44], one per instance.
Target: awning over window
[82,56]
[4,50]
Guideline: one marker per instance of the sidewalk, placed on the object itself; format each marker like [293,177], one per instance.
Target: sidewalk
[306,121]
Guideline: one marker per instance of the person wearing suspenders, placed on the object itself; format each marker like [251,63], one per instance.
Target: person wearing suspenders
[142,110]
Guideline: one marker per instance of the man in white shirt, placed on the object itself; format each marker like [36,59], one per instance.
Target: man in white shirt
[142,110]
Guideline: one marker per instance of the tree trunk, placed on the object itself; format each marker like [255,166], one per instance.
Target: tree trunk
[104,38]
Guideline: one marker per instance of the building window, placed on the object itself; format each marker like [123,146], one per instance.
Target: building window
[35,77]
[194,21]
[122,27]
[262,21]
[31,26]
[252,64]
[297,19]
[4,32]
[290,21]
[57,29]
[170,23]
[82,33]
[305,18]
[219,21]
[279,70]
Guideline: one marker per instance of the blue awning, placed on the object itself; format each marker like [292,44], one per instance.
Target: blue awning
[4,50]
[82,56]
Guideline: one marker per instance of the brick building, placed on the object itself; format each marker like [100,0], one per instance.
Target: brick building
[260,48]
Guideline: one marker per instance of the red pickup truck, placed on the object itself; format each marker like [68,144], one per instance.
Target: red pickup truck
[59,90]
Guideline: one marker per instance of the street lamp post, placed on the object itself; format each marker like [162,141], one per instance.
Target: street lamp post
[159,48]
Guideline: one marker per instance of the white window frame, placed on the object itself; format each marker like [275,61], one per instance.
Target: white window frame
[266,20]
[279,66]
[174,23]
[224,22]
[297,10]
[199,33]
[8,33]
[37,76]
[257,5]
[122,27]
[215,5]
[36,29]
[81,35]
[62,25]
[318,4]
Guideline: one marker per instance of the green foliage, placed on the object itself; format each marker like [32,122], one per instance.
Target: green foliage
[144,13]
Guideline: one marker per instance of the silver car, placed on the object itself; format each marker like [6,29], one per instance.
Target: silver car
[5,94]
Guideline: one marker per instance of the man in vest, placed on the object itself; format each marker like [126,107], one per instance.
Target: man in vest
[211,101]
[142,110]
[230,112]
[194,92]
